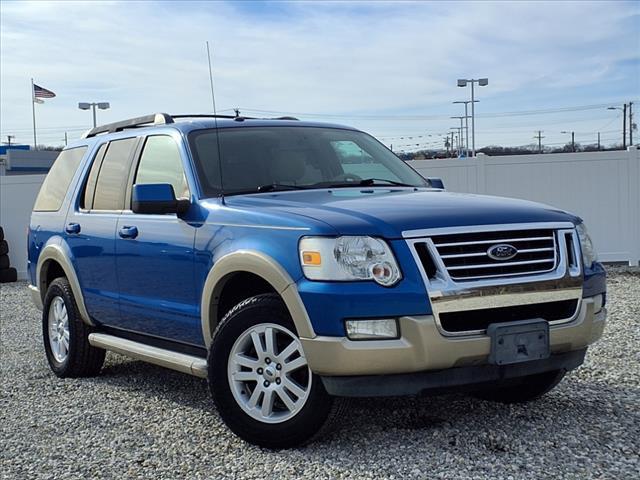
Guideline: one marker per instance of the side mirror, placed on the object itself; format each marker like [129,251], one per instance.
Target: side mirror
[157,198]
[436,182]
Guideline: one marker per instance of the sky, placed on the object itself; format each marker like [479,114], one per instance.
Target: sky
[387,68]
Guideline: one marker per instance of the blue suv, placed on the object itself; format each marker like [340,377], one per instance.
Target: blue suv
[297,264]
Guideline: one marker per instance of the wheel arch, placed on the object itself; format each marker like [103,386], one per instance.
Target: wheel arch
[54,256]
[262,266]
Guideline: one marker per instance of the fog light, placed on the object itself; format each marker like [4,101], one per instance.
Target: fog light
[598,302]
[380,329]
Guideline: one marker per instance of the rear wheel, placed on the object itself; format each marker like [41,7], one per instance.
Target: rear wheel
[260,381]
[66,336]
[528,388]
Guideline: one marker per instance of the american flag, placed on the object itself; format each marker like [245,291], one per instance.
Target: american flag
[39,92]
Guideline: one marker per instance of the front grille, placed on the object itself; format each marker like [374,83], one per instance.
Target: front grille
[476,320]
[466,257]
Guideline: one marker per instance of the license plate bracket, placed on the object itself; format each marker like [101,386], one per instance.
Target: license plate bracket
[516,342]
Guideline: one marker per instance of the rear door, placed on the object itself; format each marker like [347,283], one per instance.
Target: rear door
[90,228]
[155,256]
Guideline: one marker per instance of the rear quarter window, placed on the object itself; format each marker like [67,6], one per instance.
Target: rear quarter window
[113,176]
[55,185]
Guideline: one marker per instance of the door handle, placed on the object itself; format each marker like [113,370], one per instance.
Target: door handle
[128,232]
[72,228]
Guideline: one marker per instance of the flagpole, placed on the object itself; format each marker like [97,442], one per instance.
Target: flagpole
[33,110]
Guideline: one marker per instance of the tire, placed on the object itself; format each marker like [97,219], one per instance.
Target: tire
[80,359]
[527,389]
[284,427]
[8,275]
[4,262]
[4,247]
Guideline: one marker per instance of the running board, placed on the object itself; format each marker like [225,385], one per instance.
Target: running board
[159,356]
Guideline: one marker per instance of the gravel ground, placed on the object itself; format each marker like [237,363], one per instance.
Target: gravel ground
[140,421]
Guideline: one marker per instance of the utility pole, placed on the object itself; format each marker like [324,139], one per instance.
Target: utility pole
[630,125]
[539,137]
[237,111]
[598,141]
[573,139]
[9,137]
[624,126]
[65,139]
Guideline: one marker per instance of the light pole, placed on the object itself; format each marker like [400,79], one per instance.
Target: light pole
[573,139]
[624,123]
[482,82]
[466,121]
[462,143]
[92,106]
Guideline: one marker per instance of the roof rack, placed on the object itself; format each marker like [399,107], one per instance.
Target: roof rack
[210,115]
[161,119]
[154,119]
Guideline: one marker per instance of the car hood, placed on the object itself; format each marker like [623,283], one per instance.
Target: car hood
[388,212]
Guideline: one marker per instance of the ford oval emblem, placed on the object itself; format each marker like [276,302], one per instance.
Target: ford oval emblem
[502,251]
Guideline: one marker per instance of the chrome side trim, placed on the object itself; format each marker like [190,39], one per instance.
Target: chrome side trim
[563,282]
[427,232]
[35,296]
[158,356]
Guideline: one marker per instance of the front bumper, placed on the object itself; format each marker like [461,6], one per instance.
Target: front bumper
[423,347]
[422,382]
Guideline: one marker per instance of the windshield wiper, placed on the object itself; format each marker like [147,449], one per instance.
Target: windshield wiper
[373,181]
[275,187]
[367,182]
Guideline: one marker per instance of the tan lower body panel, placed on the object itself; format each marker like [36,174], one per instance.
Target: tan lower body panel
[423,347]
[165,358]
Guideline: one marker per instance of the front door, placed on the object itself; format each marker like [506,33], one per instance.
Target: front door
[155,256]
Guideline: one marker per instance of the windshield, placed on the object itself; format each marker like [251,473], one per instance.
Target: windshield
[258,159]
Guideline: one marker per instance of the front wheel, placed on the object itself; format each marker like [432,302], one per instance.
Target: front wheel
[528,388]
[259,378]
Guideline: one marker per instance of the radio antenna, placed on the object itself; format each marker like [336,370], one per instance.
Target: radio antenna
[215,119]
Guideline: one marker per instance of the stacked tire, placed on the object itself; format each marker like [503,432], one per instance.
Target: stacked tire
[7,272]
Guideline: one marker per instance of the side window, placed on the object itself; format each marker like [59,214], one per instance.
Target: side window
[160,162]
[357,161]
[113,175]
[59,178]
[90,187]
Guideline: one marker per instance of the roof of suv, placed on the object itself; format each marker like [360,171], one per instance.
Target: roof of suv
[187,123]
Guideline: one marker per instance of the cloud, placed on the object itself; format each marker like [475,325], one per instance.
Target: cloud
[304,57]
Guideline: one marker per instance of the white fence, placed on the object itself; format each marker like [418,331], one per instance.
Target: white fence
[601,187]
[17,196]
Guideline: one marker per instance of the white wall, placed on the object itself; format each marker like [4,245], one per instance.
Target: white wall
[17,196]
[601,187]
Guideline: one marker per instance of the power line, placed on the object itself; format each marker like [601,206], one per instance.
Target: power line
[577,108]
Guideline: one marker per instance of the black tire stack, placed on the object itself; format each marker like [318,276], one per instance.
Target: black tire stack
[7,272]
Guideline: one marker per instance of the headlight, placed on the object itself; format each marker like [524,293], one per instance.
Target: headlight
[589,254]
[348,258]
